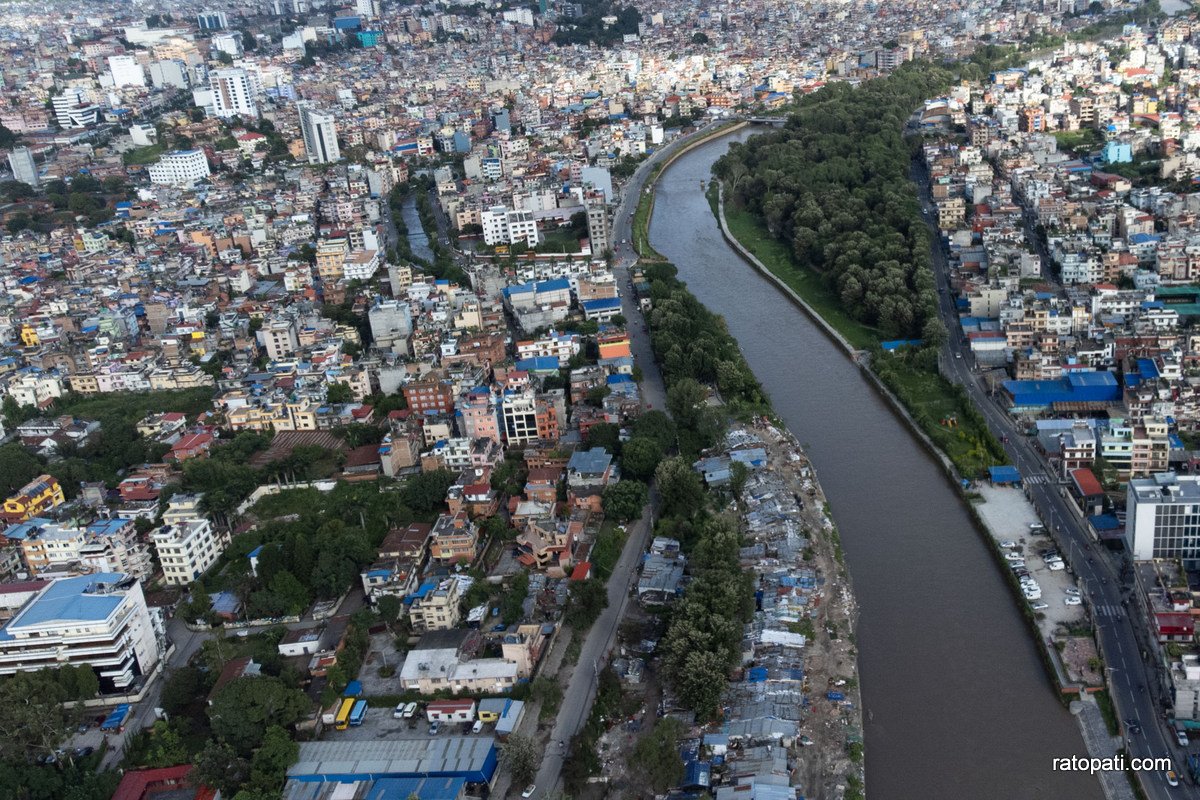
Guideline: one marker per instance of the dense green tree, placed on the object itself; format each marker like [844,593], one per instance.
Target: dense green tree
[427,491]
[521,756]
[268,767]
[640,456]
[656,425]
[606,435]
[679,488]
[244,708]
[32,718]
[219,766]
[625,500]
[655,759]
[588,599]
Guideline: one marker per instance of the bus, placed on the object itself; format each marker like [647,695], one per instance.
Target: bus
[342,721]
[357,714]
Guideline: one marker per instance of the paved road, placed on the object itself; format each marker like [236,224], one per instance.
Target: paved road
[596,648]
[1104,577]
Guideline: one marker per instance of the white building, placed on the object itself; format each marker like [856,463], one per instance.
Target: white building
[232,93]
[186,549]
[391,321]
[96,620]
[361,265]
[228,43]
[502,226]
[74,109]
[24,168]
[280,338]
[126,71]
[170,72]
[367,9]
[320,134]
[180,168]
[1162,517]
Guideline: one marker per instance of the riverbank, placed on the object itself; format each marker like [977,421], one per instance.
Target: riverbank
[1055,642]
[806,616]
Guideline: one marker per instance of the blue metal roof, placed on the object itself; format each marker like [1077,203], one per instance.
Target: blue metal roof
[422,788]
[602,304]
[79,599]
[590,462]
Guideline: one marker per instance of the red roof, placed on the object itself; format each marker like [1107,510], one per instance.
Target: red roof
[1086,482]
[582,570]
[145,783]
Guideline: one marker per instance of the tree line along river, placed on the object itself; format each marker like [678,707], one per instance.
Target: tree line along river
[957,703]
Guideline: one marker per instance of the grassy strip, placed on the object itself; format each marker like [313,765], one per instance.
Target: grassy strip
[942,409]
[610,541]
[746,228]
[944,412]
[1104,700]
[641,219]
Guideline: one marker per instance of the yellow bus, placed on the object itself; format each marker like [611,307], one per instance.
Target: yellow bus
[342,720]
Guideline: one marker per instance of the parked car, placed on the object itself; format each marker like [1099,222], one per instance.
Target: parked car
[1072,592]
[433,728]
[83,752]
[1039,606]
[529,790]
[1182,738]
[1072,601]
[1036,526]
[1014,556]
[477,727]
[399,712]
[1008,545]
[410,711]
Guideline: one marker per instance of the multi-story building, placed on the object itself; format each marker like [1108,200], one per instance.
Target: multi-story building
[279,338]
[360,265]
[320,134]
[438,608]
[98,620]
[24,168]
[73,108]
[391,324]
[232,93]
[480,419]
[186,549]
[40,494]
[455,539]
[527,418]
[597,223]
[126,71]
[429,396]
[502,226]
[180,168]
[1162,518]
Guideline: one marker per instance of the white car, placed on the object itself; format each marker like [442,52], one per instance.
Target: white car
[529,790]
[1008,545]
[1039,606]
[1072,592]
[1056,565]
[1014,557]
[1072,601]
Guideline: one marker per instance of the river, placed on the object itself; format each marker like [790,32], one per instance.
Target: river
[957,702]
[417,239]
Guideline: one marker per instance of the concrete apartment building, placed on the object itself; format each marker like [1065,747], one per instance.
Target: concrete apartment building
[437,609]
[96,620]
[186,543]
[1162,518]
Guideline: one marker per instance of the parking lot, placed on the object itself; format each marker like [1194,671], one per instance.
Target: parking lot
[1008,515]
[379,724]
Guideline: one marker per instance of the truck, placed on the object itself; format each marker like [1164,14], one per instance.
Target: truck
[115,721]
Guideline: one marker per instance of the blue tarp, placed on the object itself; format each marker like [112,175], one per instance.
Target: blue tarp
[1004,474]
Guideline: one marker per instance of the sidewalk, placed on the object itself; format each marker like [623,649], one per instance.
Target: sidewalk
[1101,744]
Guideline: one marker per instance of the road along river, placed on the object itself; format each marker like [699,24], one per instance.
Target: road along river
[957,701]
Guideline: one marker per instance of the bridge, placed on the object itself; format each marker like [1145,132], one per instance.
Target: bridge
[778,121]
